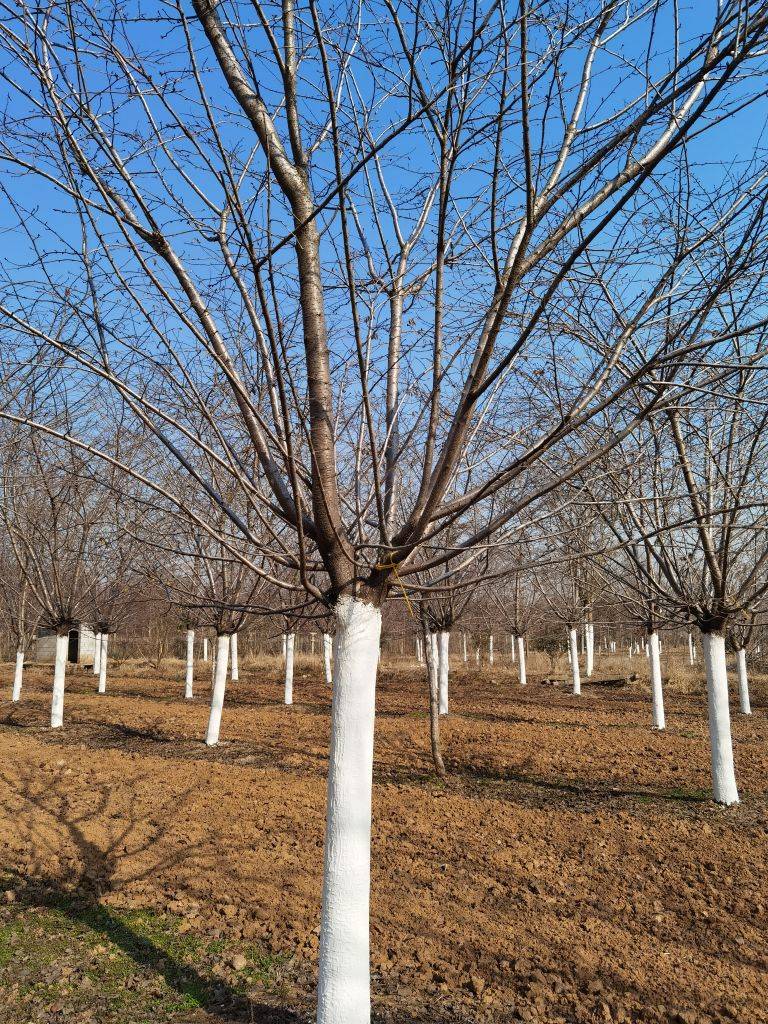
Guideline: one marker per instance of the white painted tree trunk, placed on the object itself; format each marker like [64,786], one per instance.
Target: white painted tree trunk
[290,641]
[97,655]
[103,660]
[724,788]
[312,644]
[690,648]
[59,675]
[657,689]
[512,645]
[327,646]
[205,648]
[235,672]
[490,649]
[418,651]
[741,667]
[344,995]
[190,678]
[589,630]
[521,660]
[285,644]
[219,689]
[477,655]
[573,637]
[464,646]
[18,676]
[443,664]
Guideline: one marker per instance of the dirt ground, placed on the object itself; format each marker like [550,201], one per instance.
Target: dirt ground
[571,870]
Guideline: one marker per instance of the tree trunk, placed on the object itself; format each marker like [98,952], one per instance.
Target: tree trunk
[235,673]
[690,648]
[103,656]
[573,637]
[434,711]
[724,788]
[205,648]
[290,641]
[589,631]
[657,689]
[490,649]
[190,678]
[17,676]
[219,687]
[327,644]
[97,655]
[521,660]
[741,666]
[59,675]
[512,647]
[343,995]
[464,646]
[443,669]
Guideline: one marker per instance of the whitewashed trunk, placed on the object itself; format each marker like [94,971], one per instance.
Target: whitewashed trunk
[312,644]
[285,644]
[512,645]
[657,690]
[573,637]
[235,671]
[590,651]
[741,668]
[205,648]
[443,664]
[464,646]
[18,676]
[521,660]
[190,677]
[490,649]
[290,641]
[219,689]
[418,651]
[477,655]
[690,648]
[59,675]
[724,788]
[343,995]
[103,661]
[97,655]
[327,646]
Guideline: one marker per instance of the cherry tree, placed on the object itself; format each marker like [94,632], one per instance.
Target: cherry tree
[365,260]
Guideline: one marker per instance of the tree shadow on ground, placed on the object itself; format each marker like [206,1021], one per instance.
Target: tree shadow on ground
[145,936]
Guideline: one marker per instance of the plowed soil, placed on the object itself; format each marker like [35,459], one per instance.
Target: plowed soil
[572,869]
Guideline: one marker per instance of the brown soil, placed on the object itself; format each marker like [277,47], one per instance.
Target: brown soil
[571,870]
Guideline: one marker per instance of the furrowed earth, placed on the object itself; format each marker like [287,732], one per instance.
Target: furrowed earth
[572,868]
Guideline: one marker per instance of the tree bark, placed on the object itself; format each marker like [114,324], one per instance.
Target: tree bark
[103,658]
[434,712]
[520,641]
[344,975]
[657,689]
[724,789]
[59,676]
[290,641]
[219,688]
[573,638]
[97,655]
[235,673]
[741,666]
[18,676]
[190,677]
[443,669]
[327,645]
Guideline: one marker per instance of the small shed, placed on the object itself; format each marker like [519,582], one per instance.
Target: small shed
[81,649]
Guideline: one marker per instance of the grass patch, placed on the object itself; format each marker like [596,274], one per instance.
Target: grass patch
[63,955]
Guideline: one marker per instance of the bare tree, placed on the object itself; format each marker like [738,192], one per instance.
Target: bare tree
[365,262]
